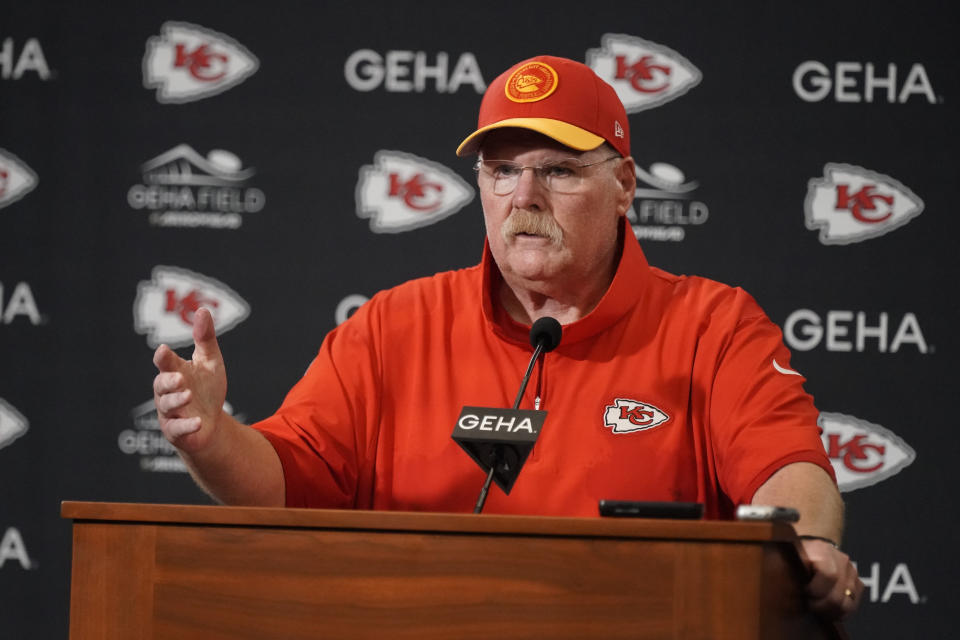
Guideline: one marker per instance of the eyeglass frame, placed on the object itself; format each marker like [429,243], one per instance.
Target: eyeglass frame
[538,171]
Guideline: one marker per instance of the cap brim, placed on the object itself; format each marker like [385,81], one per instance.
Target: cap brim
[564,133]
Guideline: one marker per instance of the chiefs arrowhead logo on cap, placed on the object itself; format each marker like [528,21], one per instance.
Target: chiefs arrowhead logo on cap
[531,82]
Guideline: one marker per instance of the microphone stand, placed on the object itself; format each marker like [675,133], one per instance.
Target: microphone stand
[482,498]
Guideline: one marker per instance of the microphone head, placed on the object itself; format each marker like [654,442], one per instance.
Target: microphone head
[548,331]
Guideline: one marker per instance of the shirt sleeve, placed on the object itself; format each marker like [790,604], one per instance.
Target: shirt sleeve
[325,430]
[761,417]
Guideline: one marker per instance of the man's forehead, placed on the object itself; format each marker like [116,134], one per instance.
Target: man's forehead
[512,140]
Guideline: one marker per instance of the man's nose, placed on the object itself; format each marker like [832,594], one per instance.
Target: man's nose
[529,191]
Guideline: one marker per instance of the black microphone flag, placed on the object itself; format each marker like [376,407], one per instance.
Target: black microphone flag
[499,438]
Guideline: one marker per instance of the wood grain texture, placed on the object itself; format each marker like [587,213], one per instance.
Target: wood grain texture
[221,572]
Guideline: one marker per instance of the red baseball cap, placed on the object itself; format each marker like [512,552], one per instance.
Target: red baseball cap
[560,98]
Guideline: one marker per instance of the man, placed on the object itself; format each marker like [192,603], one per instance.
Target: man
[663,388]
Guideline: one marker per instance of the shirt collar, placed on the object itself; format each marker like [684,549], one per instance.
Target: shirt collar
[625,291]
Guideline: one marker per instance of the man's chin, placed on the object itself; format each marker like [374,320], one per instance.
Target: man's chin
[532,263]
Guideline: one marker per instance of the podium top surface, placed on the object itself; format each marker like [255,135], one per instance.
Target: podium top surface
[212,515]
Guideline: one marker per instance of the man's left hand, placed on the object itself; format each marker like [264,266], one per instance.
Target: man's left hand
[835,588]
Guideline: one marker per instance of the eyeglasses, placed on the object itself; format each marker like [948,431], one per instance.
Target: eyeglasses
[560,176]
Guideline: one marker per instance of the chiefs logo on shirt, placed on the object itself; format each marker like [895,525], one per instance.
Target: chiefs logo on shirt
[628,416]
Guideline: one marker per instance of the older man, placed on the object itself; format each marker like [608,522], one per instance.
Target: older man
[664,388]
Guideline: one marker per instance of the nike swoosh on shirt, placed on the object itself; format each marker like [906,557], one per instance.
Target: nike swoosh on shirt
[786,372]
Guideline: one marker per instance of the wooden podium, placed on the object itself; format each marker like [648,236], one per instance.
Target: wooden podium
[180,572]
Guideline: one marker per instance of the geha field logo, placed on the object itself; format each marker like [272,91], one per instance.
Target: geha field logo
[187,62]
[643,73]
[165,305]
[665,204]
[401,191]
[183,189]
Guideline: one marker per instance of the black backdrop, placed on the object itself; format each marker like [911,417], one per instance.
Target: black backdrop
[116,220]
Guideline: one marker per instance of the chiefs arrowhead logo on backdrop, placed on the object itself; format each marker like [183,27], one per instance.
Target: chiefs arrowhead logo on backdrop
[644,74]
[862,453]
[850,204]
[16,178]
[400,191]
[12,423]
[627,416]
[188,62]
[164,308]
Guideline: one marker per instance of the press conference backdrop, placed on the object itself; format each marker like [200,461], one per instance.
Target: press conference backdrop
[283,162]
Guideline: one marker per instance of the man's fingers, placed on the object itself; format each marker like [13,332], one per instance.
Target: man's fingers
[170,402]
[168,382]
[166,360]
[835,588]
[205,336]
[179,427]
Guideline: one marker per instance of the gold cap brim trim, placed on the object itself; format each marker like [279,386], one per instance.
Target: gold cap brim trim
[563,132]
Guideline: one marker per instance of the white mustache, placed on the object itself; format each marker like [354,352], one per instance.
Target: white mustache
[522,221]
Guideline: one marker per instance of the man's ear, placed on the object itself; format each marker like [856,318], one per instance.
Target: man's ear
[626,176]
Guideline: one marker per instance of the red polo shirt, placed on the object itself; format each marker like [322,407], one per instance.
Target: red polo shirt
[674,388]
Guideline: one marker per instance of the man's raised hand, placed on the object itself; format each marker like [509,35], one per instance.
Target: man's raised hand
[189,394]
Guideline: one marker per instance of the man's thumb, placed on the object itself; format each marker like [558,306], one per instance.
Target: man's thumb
[205,336]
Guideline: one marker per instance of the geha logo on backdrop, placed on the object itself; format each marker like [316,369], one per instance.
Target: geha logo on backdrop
[845,331]
[402,71]
[401,191]
[187,62]
[29,59]
[13,551]
[20,304]
[643,73]
[852,204]
[183,189]
[146,441]
[165,305]
[16,178]
[883,586]
[853,82]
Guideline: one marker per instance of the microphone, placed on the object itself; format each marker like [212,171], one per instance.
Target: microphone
[548,331]
[545,335]
[500,440]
